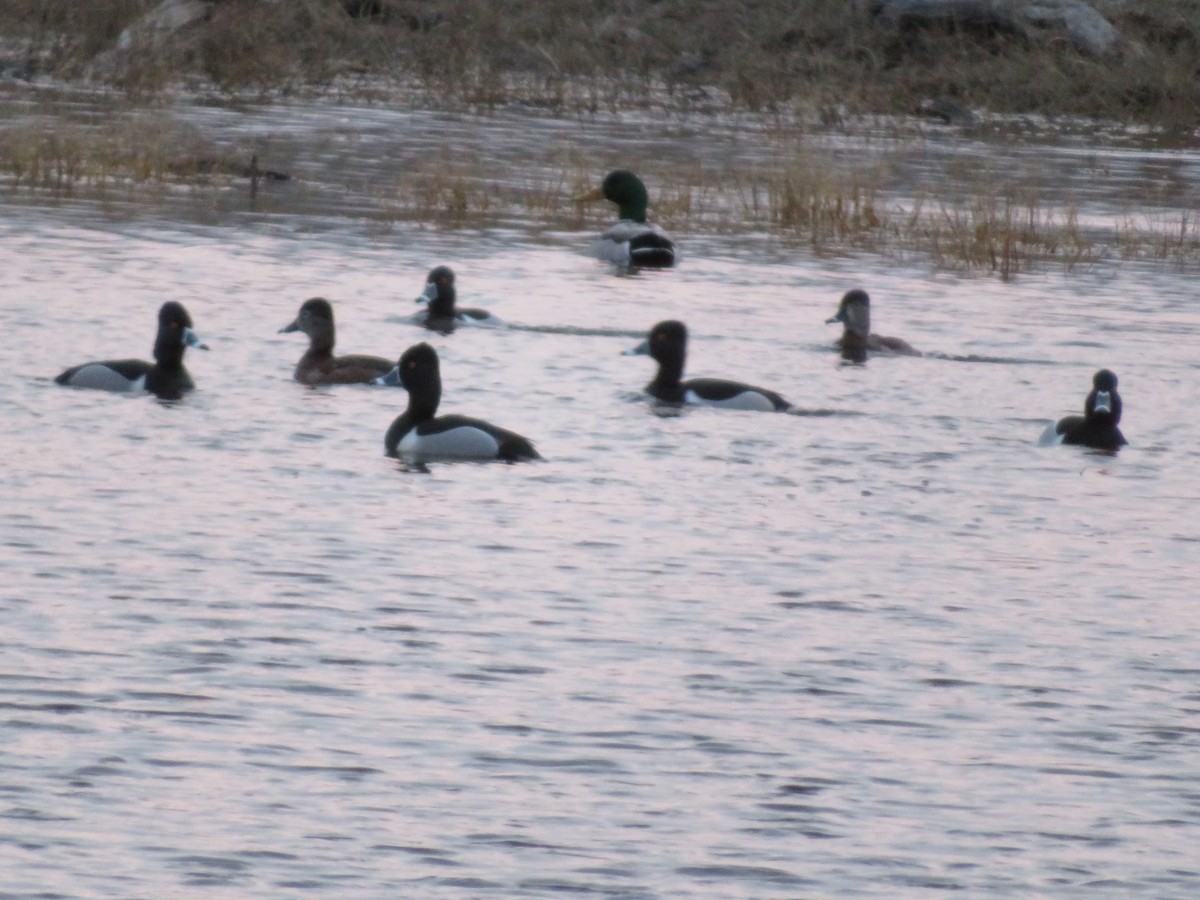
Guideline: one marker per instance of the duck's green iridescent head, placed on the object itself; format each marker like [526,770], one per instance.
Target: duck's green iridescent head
[626,190]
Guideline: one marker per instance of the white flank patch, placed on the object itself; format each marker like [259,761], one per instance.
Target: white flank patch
[750,400]
[611,251]
[105,379]
[1050,436]
[464,442]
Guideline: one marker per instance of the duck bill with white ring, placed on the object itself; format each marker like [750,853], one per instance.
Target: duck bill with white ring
[855,314]
[391,379]
[642,349]
[429,294]
[191,339]
[1103,403]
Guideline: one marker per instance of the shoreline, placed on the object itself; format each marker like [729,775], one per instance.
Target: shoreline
[819,58]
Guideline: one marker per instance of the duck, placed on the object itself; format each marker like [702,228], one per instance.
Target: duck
[318,365]
[667,345]
[1097,427]
[442,314]
[166,377]
[854,312]
[420,435]
[631,242]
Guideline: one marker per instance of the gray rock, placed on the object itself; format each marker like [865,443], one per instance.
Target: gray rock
[1040,21]
[162,22]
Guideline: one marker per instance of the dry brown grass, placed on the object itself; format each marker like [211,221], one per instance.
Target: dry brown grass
[62,35]
[763,55]
[47,154]
[1173,239]
[995,230]
[805,199]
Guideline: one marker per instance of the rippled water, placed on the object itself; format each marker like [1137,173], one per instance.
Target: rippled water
[897,649]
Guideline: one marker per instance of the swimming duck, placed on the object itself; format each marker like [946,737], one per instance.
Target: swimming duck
[318,365]
[1097,427]
[631,241]
[417,436]
[667,345]
[854,312]
[166,377]
[443,315]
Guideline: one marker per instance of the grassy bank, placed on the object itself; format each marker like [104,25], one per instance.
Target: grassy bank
[816,54]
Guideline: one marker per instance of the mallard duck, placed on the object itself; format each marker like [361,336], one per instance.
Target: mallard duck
[631,241]
[1097,427]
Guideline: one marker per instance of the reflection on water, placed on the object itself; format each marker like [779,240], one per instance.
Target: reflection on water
[705,654]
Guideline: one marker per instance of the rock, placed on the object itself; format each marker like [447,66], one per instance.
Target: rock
[163,21]
[1039,21]
[151,34]
[1087,30]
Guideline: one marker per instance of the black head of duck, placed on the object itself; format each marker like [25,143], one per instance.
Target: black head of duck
[1097,427]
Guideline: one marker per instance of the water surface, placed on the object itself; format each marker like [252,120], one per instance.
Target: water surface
[898,649]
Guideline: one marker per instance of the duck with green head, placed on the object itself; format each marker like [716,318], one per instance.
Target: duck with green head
[631,242]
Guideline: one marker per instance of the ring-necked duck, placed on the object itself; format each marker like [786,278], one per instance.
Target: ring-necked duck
[631,241]
[417,436]
[854,312]
[667,345]
[443,315]
[166,377]
[318,365]
[1097,427]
